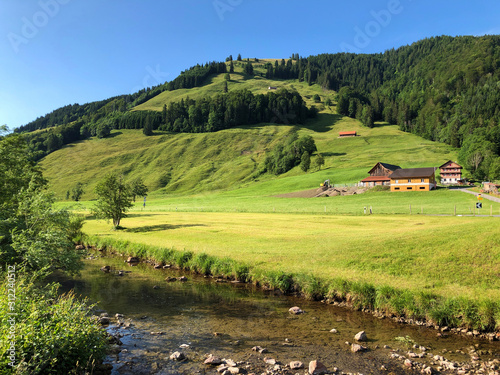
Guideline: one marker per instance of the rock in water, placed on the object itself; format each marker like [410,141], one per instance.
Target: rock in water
[317,368]
[295,365]
[361,336]
[177,356]
[355,348]
[213,360]
[295,310]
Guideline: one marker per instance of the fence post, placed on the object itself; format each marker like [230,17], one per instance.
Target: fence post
[455,214]
[410,209]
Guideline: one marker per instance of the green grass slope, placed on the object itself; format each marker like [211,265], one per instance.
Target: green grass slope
[226,160]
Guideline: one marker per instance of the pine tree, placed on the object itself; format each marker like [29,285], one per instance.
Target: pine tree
[148,128]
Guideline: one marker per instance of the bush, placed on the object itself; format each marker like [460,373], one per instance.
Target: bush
[53,334]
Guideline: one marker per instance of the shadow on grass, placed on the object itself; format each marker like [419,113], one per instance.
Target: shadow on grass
[333,153]
[114,134]
[323,123]
[160,227]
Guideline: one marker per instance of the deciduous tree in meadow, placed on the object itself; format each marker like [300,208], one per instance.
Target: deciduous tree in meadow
[114,199]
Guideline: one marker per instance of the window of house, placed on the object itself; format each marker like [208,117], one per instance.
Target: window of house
[422,180]
[396,188]
[410,188]
[409,180]
[422,187]
[397,181]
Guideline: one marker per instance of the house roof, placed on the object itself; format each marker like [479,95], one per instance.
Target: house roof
[386,166]
[413,172]
[450,163]
[375,178]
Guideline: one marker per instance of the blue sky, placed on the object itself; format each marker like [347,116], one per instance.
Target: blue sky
[59,52]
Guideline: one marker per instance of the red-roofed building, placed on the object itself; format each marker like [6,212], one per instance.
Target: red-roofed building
[347,134]
[379,175]
[451,173]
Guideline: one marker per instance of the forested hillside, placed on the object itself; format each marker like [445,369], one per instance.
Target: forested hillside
[445,89]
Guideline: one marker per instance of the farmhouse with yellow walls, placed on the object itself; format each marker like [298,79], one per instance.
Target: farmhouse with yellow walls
[413,179]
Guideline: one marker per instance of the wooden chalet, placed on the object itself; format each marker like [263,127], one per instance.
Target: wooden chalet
[379,175]
[451,173]
[347,134]
[414,179]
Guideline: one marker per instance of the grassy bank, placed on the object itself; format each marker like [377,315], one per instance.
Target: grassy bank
[419,266]
[483,314]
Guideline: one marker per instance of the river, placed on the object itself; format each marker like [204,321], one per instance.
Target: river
[201,316]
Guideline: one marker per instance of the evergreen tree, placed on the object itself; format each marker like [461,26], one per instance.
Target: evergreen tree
[231,67]
[239,57]
[147,130]
[248,69]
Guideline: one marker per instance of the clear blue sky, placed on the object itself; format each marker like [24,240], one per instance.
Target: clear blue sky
[58,52]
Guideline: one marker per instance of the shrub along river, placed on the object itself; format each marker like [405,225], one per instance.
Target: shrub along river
[204,316]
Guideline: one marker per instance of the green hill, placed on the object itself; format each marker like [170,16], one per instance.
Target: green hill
[257,84]
[225,160]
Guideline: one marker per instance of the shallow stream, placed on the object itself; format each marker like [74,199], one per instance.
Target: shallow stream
[228,320]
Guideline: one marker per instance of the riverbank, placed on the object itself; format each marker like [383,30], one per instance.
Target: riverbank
[462,315]
[202,316]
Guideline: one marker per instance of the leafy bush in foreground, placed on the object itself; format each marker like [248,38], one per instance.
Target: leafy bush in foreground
[52,334]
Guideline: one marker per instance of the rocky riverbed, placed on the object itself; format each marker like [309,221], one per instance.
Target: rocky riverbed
[172,325]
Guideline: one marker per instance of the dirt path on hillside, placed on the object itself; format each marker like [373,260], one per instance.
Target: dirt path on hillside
[300,194]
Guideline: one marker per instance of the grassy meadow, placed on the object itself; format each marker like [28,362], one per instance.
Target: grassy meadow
[449,256]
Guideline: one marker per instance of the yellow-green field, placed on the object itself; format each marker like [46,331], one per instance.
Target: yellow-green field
[451,256]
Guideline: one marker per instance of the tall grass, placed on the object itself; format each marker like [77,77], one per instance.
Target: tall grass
[483,315]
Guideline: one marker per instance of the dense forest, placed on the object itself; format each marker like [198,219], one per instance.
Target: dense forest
[444,89]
